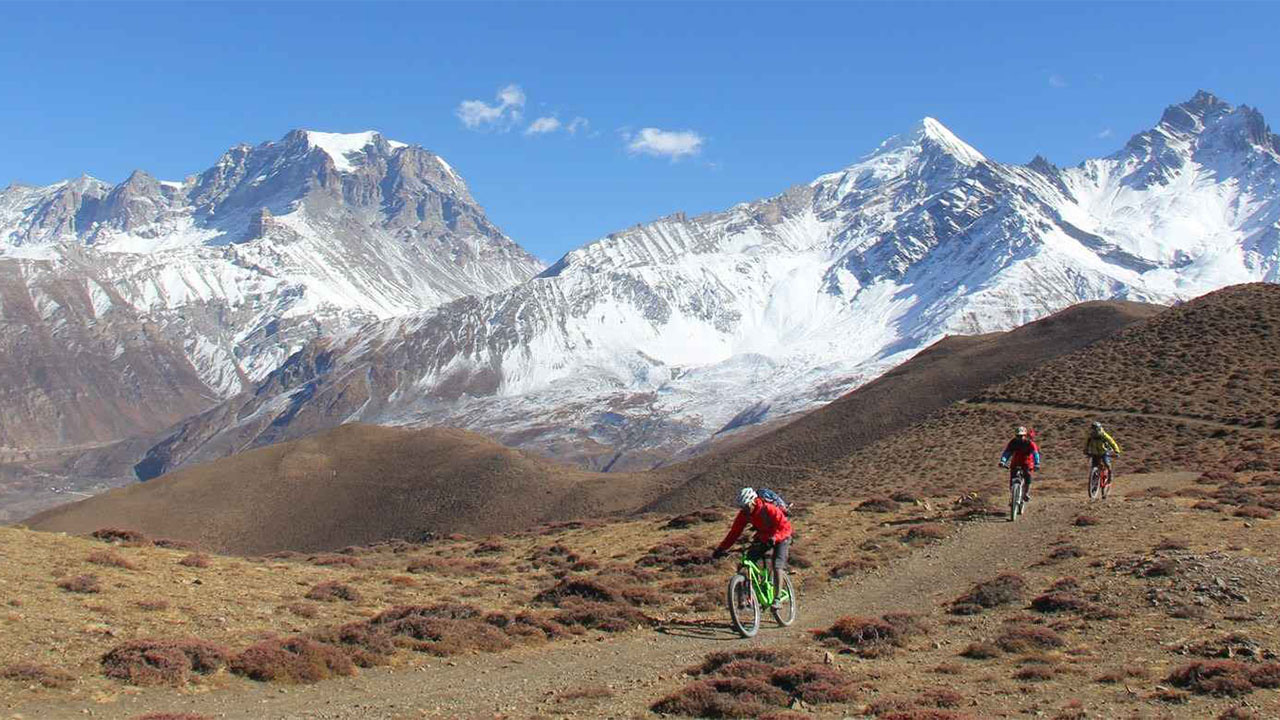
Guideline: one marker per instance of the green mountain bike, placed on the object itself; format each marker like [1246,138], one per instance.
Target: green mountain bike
[751,588]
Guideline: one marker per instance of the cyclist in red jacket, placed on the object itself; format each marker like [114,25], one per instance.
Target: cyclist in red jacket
[773,531]
[1021,452]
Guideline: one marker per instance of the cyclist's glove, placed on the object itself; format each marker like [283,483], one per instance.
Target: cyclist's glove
[718,553]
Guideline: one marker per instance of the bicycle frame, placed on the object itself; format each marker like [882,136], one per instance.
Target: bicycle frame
[761,583]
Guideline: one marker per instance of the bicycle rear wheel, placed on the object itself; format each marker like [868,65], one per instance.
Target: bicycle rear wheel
[786,610]
[744,610]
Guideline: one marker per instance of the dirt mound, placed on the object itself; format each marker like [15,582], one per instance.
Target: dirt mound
[950,370]
[353,485]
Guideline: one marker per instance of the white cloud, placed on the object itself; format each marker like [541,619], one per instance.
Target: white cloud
[1106,133]
[576,124]
[479,115]
[1057,81]
[674,144]
[542,126]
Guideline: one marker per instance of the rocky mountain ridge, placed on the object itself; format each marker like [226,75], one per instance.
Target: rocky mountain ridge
[662,336]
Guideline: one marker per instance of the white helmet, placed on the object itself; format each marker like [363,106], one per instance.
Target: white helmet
[746,497]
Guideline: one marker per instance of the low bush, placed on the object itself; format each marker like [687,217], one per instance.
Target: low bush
[195,560]
[980,651]
[1034,673]
[332,560]
[111,558]
[86,584]
[333,591]
[172,716]
[120,535]
[153,604]
[1170,544]
[1024,637]
[163,662]
[1063,601]
[871,637]
[928,532]
[173,544]
[292,660]
[442,630]
[1085,521]
[941,698]
[365,645]
[696,517]
[1254,512]
[722,698]
[769,657]
[607,617]
[1003,589]
[31,673]
[1226,678]
[878,504]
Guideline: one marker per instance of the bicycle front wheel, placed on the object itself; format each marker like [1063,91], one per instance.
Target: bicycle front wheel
[1095,483]
[744,610]
[1105,484]
[785,610]
[1015,500]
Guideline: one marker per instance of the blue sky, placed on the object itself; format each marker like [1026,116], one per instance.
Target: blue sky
[682,107]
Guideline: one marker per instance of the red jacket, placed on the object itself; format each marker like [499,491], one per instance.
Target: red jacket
[1020,453]
[770,522]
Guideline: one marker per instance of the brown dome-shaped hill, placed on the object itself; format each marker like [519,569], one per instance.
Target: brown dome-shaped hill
[353,485]
[1196,387]
[798,454]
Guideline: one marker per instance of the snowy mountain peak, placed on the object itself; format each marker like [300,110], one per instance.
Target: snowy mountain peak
[346,149]
[929,130]
[1195,114]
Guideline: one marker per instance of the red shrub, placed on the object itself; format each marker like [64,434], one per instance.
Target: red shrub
[366,646]
[292,660]
[1213,677]
[927,532]
[440,629]
[120,535]
[980,651]
[877,504]
[722,697]
[195,560]
[1085,521]
[1022,637]
[1002,590]
[111,558]
[81,584]
[1035,673]
[333,591]
[162,662]
[1255,512]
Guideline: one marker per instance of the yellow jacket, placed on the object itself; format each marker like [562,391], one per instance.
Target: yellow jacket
[1100,444]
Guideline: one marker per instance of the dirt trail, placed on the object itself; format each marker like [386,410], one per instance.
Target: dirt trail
[640,666]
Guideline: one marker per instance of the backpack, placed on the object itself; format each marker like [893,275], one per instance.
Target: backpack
[770,496]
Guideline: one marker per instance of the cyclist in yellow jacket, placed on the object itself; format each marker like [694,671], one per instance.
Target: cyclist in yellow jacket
[1100,446]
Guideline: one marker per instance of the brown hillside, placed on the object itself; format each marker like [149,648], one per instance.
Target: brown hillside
[950,370]
[353,485]
[1196,387]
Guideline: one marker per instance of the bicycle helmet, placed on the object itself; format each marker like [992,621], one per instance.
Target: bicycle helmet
[1097,426]
[746,498]
[1022,431]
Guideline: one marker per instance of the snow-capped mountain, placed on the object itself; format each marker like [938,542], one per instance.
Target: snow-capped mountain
[658,337]
[229,272]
